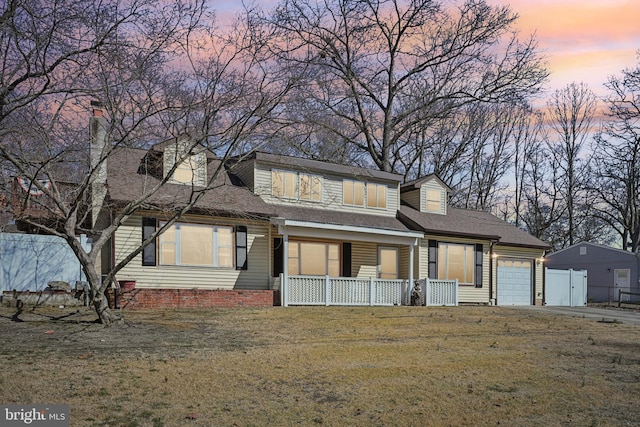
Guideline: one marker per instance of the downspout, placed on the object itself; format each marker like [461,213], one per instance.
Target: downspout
[544,281]
[492,301]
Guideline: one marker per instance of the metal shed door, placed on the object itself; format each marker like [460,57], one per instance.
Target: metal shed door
[514,282]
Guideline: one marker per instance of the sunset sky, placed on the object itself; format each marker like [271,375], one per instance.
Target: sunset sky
[582,40]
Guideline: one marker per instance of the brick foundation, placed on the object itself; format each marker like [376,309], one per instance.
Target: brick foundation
[192,298]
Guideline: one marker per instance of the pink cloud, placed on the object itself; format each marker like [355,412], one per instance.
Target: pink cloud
[584,40]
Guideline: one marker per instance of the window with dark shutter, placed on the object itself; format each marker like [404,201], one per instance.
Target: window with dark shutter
[149,226]
[346,259]
[478,265]
[433,259]
[241,248]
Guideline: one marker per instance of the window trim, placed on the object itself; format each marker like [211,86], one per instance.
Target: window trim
[311,193]
[469,263]
[296,185]
[353,183]
[326,259]
[376,186]
[215,246]
[429,200]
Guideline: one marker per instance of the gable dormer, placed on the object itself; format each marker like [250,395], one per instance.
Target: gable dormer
[190,162]
[428,194]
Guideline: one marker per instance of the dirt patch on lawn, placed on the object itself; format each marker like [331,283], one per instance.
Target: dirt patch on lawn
[324,365]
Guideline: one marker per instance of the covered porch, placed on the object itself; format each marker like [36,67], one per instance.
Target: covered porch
[331,264]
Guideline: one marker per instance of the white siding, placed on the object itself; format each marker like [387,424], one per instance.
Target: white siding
[256,276]
[403,263]
[364,260]
[331,194]
[466,293]
[412,198]
[244,171]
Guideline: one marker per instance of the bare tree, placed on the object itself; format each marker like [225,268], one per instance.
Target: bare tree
[571,113]
[159,69]
[617,159]
[543,212]
[371,71]
[528,139]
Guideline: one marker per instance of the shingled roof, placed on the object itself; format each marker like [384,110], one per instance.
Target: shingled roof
[469,223]
[335,217]
[127,180]
[322,166]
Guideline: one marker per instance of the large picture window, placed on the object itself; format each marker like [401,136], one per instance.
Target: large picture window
[456,261]
[314,259]
[197,245]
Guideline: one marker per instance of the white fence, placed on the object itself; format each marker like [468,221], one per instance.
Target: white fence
[439,292]
[325,290]
[566,287]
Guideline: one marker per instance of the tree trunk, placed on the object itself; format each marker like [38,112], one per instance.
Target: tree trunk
[105,315]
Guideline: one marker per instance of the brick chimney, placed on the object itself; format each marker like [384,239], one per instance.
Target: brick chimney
[97,160]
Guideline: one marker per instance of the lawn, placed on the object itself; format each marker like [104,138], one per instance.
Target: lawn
[361,366]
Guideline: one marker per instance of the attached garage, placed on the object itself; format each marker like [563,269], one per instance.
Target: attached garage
[515,281]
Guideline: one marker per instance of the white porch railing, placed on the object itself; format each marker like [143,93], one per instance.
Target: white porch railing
[439,292]
[326,290]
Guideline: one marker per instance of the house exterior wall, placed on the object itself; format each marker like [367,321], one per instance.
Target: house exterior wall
[256,276]
[412,198]
[600,263]
[535,255]
[466,293]
[332,196]
[244,171]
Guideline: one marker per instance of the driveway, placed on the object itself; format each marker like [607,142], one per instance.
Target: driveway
[597,313]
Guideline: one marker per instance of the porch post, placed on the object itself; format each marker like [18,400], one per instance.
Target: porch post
[411,260]
[285,269]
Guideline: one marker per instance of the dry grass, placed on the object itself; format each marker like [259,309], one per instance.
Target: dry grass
[406,366]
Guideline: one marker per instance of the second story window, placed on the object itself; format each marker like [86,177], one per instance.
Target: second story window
[283,184]
[185,172]
[376,196]
[310,187]
[353,192]
[190,169]
[291,185]
[434,201]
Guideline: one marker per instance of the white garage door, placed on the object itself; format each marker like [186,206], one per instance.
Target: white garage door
[514,282]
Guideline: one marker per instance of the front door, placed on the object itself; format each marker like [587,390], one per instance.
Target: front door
[387,262]
[621,282]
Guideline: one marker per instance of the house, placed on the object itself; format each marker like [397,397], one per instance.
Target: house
[277,228]
[494,261]
[609,270]
[275,218]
